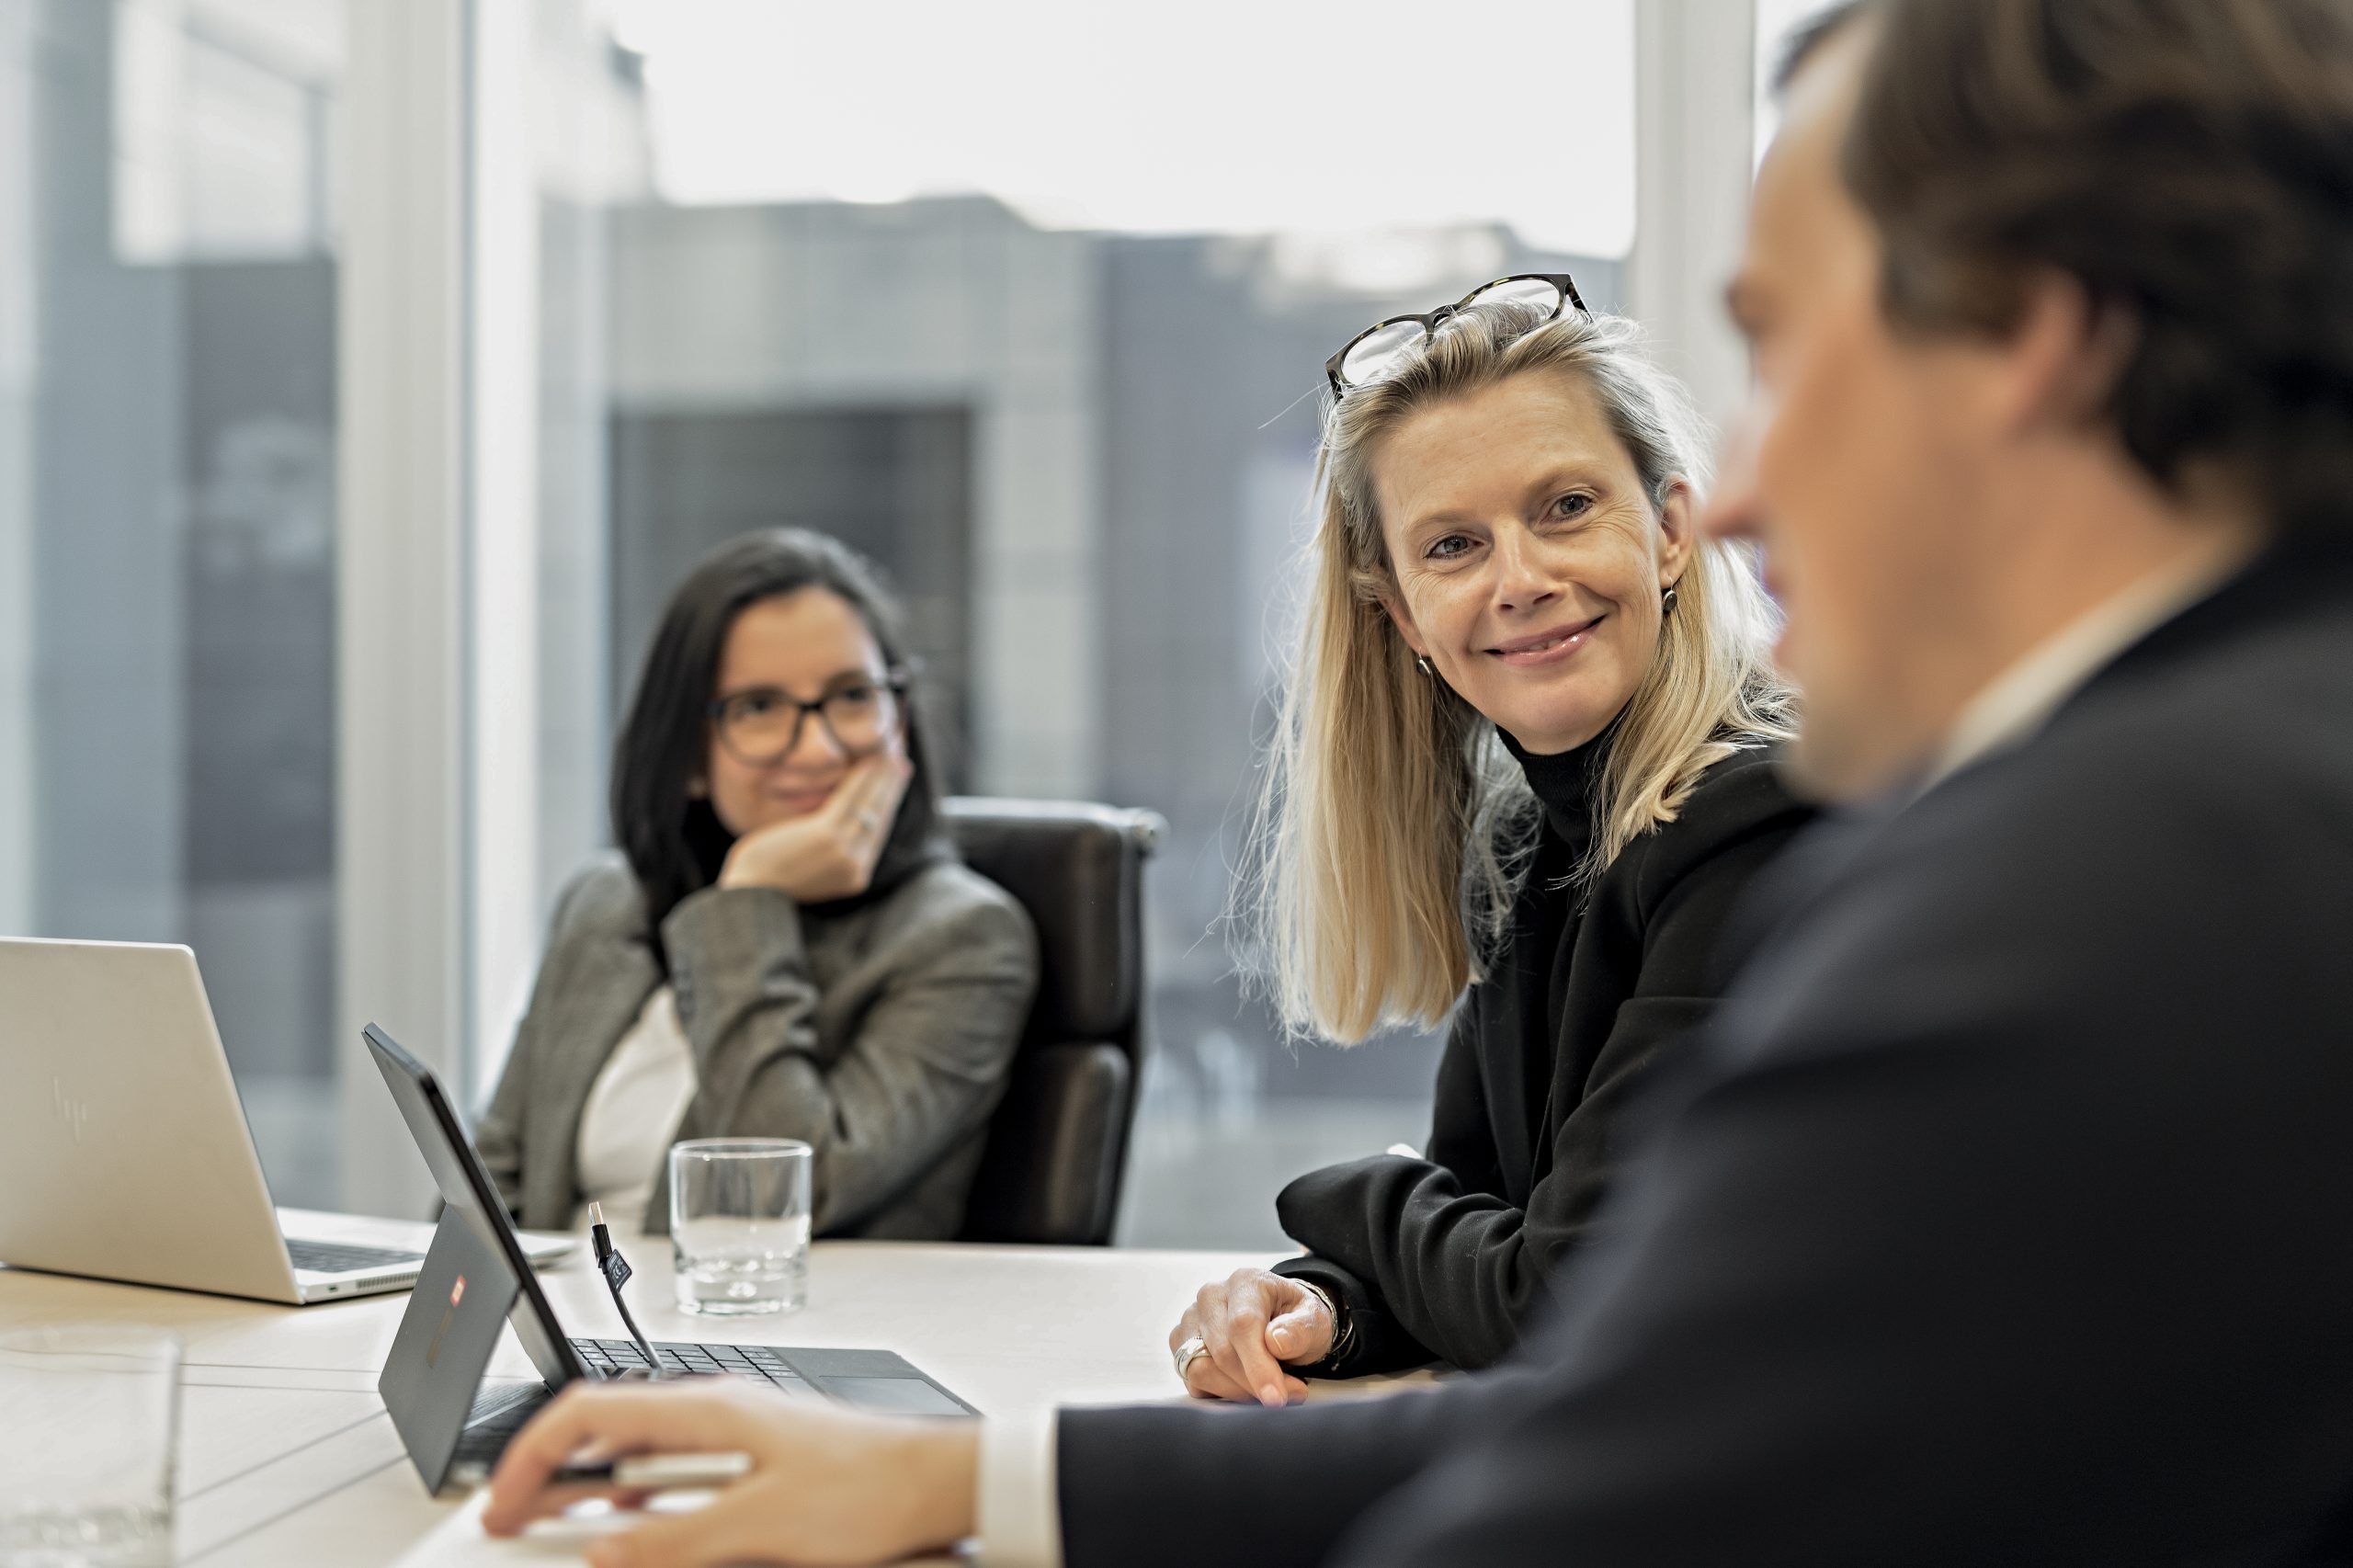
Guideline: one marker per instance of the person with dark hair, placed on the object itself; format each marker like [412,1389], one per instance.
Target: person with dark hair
[2000,1215]
[788,945]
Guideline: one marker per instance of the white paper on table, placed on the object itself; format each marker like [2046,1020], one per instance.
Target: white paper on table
[459,1542]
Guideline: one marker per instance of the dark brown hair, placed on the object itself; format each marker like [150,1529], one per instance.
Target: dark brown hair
[2189,161]
[675,842]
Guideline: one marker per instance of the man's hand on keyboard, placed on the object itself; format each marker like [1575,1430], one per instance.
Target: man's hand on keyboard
[827,1485]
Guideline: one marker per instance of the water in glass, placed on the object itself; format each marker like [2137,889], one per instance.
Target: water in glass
[740,1224]
[726,1263]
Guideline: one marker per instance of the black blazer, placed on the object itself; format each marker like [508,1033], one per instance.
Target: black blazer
[1447,1258]
[2006,1217]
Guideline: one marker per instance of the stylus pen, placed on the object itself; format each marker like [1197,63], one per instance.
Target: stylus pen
[659,1473]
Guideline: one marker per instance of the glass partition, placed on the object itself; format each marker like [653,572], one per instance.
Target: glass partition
[1035,316]
[167,506]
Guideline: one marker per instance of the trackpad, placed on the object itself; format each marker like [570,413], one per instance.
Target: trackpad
[898,1396]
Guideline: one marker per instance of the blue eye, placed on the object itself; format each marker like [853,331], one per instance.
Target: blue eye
[1575,504]
[1439,551]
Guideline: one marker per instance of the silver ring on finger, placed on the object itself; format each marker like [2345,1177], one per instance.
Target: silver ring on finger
[870,821]
[1187,1352]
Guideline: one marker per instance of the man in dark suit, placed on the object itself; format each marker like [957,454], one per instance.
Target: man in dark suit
[2008,1215]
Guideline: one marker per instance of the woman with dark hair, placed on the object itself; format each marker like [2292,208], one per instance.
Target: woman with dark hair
[788,946]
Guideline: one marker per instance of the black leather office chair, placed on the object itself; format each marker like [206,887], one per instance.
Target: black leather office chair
[1058,1143]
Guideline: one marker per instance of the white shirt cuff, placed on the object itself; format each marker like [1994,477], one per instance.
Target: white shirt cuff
[1020,1512]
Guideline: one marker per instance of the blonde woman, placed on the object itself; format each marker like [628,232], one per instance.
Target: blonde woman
[1529,751]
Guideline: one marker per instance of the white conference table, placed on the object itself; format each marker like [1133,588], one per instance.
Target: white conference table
[287,1457]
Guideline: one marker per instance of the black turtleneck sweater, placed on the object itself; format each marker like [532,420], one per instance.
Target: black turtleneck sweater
[1444,1259]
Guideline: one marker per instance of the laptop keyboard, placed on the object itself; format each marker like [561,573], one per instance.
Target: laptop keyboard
[500,1412]
[611,1356]
[335,1257]
[865,1379]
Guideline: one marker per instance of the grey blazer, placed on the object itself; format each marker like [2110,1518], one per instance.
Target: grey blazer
[880,1035]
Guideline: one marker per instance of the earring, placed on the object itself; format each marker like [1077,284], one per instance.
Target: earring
[1666,600]
[1424,665]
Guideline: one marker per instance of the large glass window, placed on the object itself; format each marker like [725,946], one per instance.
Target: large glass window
[1030,303]
[1027,300]
[167,506]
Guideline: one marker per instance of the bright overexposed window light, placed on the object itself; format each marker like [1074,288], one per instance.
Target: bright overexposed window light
[1776,20]
[1214,116]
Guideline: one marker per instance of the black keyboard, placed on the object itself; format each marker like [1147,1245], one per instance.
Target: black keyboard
[610,1356]
[499,1413]
[871,1379]
[334,1257]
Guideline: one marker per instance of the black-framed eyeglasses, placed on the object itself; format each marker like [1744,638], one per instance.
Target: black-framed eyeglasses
[1372,352]
[762,724]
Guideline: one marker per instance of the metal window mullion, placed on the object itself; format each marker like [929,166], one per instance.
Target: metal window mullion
[1694,111]
[402,573]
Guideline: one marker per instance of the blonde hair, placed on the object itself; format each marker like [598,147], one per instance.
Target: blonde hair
[1394,829]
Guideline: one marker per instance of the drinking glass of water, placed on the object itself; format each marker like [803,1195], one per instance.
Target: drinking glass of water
[88,1420]
[739,1224]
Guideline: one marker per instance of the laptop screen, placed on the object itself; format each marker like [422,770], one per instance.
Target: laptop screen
[467,1189]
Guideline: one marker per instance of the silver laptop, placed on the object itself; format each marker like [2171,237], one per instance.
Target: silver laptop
[124,1153]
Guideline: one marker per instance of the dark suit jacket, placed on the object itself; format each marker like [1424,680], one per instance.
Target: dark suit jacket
[2007,1217]
[1447,1258]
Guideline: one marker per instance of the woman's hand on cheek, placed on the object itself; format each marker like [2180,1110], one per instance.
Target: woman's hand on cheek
[832,852]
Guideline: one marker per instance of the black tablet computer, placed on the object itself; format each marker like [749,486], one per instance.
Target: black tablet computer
[475,1277]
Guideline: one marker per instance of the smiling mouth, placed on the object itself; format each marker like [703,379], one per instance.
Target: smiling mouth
[1529,650]
[800,801]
